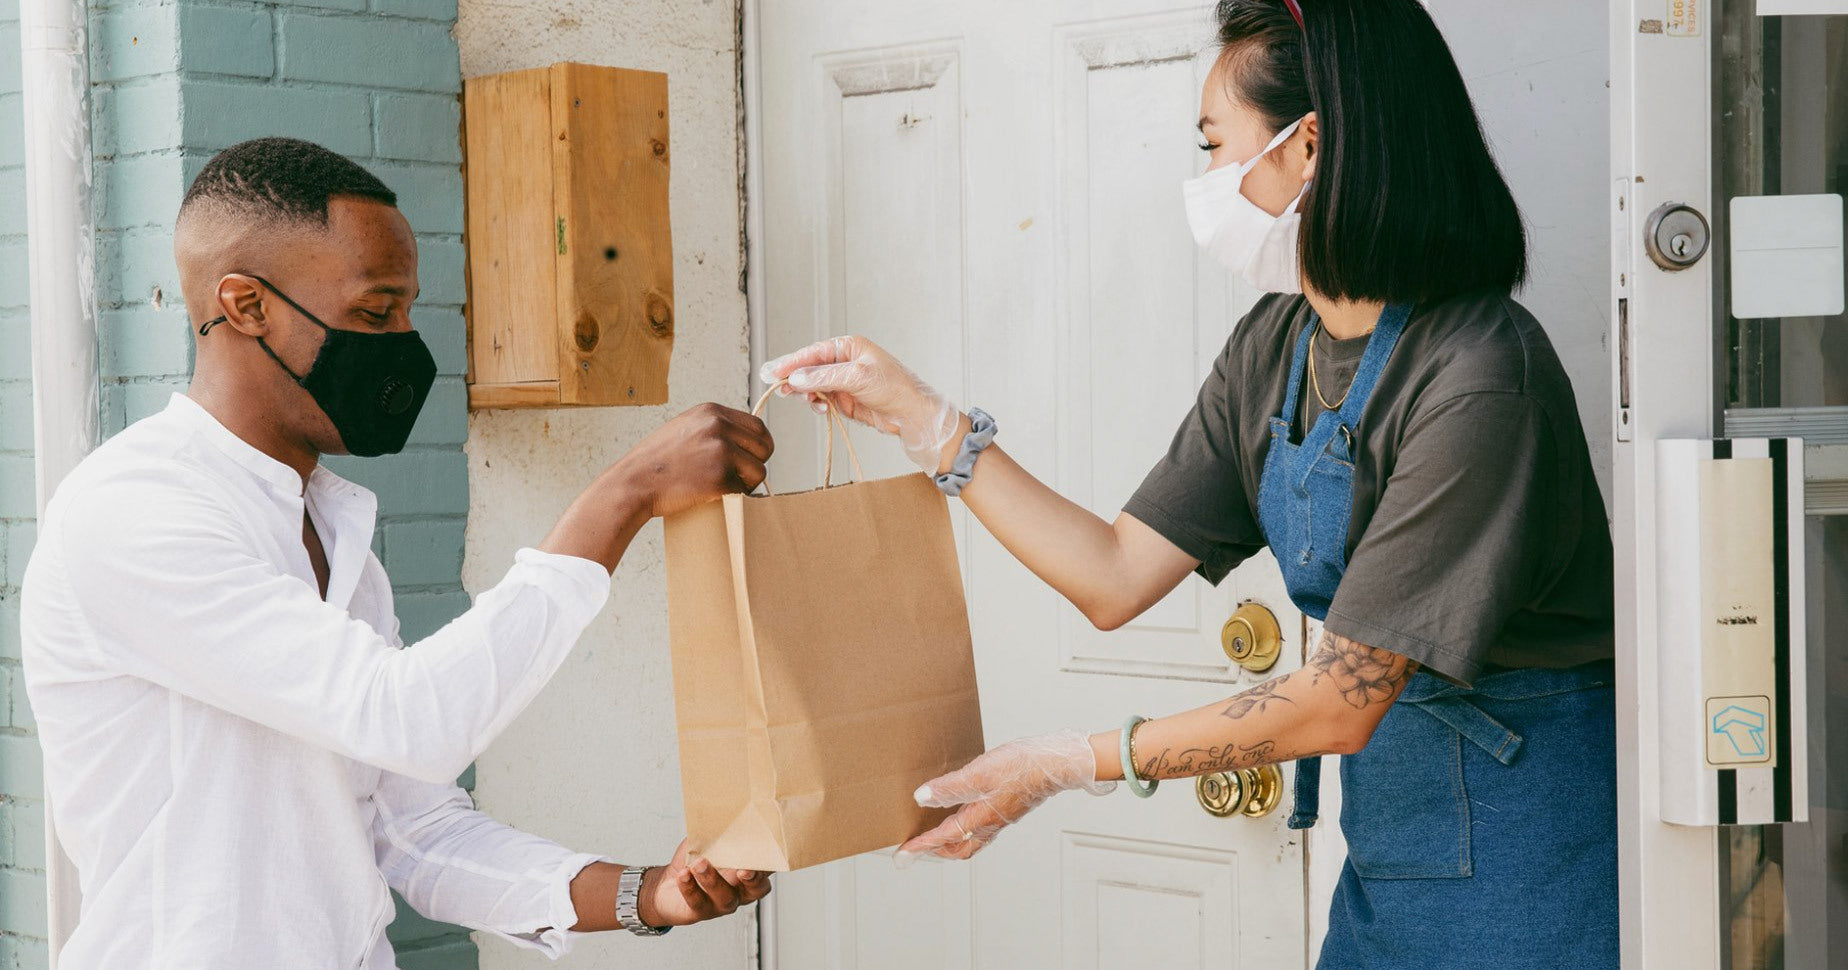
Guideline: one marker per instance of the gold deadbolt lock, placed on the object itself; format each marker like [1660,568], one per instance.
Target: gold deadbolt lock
[1252,639]
[1251,792]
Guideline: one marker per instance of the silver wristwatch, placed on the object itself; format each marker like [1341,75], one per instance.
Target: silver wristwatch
[628,904]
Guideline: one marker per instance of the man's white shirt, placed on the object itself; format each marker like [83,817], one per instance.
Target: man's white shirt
[238,767]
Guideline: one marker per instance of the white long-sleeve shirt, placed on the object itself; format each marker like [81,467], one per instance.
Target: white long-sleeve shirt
[238,767]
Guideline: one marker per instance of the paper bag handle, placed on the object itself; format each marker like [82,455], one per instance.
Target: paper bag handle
[834,421]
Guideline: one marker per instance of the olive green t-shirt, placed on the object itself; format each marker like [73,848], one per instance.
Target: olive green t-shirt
[1478,539]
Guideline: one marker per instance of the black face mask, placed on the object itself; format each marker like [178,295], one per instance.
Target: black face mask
[370,385]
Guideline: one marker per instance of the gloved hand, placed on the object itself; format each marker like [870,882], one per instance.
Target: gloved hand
[999,788]
[872,387]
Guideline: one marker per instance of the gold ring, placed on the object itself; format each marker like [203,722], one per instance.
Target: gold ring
[959,827]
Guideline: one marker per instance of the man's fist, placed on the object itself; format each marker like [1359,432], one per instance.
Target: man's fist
[691,890]
[707,452]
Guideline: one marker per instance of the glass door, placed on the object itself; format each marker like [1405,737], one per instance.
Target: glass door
[1729,153]
[1780,163]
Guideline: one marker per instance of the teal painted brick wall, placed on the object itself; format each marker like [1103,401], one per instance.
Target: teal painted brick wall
[22,833]
[174,81]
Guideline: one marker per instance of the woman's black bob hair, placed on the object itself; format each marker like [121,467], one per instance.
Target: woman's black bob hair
[1407,205]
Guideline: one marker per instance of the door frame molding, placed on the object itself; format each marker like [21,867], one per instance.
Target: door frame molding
[762,951]
[1661,152]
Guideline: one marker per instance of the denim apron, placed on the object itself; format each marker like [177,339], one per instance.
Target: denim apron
[1481,823]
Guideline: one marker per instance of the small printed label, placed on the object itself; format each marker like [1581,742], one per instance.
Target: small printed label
[1738,731]
[1683,18]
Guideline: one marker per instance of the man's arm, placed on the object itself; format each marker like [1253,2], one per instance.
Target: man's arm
[456,864]
[176,594]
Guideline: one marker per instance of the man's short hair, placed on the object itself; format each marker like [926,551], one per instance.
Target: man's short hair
[281,179]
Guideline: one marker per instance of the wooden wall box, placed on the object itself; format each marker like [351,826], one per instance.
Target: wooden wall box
[570,257]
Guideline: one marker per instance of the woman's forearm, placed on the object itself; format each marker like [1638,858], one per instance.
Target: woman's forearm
[1112,573]
[1330,706]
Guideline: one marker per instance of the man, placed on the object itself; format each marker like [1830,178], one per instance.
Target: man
[240,757]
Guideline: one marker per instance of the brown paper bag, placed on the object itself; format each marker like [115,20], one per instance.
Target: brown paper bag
[822,669]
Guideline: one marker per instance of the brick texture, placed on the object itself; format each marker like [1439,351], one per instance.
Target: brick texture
[173,82]
[22,854]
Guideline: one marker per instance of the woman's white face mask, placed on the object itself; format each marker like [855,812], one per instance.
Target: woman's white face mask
[1246,239]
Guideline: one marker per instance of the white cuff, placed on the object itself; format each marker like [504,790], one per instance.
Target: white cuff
[557,939]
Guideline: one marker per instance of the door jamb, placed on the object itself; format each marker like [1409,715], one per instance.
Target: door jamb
[1660,83]
[763,950]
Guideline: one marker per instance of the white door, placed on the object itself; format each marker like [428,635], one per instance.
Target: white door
[1740,114]
[991,190]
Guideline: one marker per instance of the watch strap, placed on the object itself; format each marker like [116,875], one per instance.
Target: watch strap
[629,903]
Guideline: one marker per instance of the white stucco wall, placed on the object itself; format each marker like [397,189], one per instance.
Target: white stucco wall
[592,763]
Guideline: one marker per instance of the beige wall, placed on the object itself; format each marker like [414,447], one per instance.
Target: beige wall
[593,763]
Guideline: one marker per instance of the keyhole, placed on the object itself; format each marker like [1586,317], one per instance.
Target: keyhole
[1681,244]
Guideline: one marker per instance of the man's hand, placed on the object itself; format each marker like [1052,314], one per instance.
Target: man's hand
[693,890]
[707,452]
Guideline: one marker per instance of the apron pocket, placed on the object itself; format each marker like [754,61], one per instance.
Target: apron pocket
[1404,807]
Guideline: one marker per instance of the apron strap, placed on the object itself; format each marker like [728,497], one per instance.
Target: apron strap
[1473,723]
[1379,348]
[1306,801]
[1457,712]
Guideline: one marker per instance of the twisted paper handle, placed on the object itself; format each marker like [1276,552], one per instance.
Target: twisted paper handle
[834,421]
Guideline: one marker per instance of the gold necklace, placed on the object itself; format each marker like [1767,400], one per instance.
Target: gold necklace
[1315,385]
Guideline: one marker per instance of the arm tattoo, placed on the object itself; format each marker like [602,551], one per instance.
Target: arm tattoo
[1364,675]
[1256,699]
[1204,761]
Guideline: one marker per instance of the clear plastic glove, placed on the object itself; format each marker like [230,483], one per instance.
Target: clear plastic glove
[870,386]
[999,788]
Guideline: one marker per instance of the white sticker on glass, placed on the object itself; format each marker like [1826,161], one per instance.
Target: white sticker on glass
[1787,258]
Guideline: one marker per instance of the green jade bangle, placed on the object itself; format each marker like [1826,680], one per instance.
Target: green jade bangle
[1141,788]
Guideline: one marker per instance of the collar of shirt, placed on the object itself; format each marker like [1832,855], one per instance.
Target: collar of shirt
[344,514]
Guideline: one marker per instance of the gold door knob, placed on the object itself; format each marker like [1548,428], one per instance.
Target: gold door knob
[1252,639]
[1251,792]
[1265,790]
[1221,794]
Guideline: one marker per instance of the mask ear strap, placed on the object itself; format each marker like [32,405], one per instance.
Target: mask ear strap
[285,298]
[1277,139]
[272,355]
[298,309]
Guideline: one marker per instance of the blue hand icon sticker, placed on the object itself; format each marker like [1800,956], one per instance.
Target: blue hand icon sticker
[1744,728]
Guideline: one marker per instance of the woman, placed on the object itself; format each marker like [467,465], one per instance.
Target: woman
[1402,436]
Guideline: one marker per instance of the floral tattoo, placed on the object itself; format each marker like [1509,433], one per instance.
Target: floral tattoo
[1364,675]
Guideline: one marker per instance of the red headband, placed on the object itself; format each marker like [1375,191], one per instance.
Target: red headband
[1297,12]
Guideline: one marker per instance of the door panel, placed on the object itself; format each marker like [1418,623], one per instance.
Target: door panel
[1119,890]
[1146,315]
